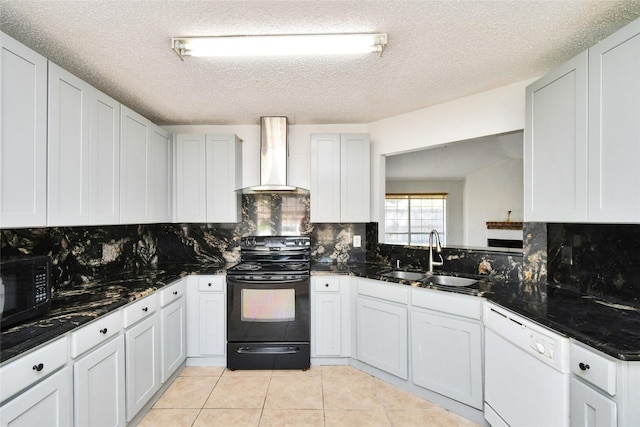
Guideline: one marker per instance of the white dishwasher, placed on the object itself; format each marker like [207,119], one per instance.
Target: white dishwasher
[526,372]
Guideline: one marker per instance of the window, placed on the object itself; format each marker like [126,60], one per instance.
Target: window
[409,218]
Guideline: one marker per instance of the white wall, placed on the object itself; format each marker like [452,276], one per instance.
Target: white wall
[488,194]
[455,194]
[299,165]
[495,111]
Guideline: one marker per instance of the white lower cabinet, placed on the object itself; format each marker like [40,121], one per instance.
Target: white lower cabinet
[446,356]
[172,328]
[589,408]
[381,326]
[49,400]
[142,343]
[99,386]
[330,330]
[206,317]
[446,345]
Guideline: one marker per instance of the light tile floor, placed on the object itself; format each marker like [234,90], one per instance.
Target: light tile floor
[322,396]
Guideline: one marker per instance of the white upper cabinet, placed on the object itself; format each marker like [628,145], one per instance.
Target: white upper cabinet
[160,173]
[208,173]
[23,126]
[68,148]
[355,184]
[191,174]
[614,127]
[555,145]
[134,187]
[582,136]
[104,196]
[224,177]
[145,170]
[340,178]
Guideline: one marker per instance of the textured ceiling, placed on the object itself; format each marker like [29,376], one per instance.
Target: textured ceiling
[437,51]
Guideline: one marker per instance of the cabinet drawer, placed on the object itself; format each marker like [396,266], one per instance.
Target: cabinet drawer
[139,310]
[96,332]
[458,305]
[211,284]
[594,368]
[385,291]
[171,293]
[326,284]
[32,367]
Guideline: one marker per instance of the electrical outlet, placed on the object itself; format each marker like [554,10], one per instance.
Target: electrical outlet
[566,255]
[357,241]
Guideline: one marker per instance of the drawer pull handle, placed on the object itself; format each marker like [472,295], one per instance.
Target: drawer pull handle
[583,367]
[103,331]
[39,367]
[175,292]
[145,309]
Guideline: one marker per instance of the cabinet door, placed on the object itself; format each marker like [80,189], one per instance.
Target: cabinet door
[211,324]
[160,182]
[614,127]
[99,386]
[555,145]
[354,178]
[47,403]
[23,146]
[104,194]
[142,343]
[191,175]
[68,148]
[382,336]
[325,178]
[173,341]
[224,177]
[327,336]
[134,188]
[446,356]
[590,408]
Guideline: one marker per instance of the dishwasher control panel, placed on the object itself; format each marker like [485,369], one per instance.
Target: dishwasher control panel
[542,345]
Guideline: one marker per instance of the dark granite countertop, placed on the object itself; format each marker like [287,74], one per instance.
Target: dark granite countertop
[610,327]
[75,307]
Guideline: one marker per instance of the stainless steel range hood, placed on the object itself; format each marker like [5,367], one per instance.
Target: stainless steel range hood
[273,156]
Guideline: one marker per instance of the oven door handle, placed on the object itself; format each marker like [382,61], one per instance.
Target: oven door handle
[268,350]
[232,280]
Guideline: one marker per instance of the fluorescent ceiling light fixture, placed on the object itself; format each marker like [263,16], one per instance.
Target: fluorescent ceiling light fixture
[280,45]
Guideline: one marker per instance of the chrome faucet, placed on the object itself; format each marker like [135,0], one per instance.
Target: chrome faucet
[438,250]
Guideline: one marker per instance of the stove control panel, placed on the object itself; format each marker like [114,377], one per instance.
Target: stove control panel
[275,242]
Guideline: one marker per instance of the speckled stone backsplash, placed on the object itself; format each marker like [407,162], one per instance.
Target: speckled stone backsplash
[598,259]
[81,254]
[494,264]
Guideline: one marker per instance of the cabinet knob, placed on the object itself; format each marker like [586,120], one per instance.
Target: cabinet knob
[175,292]
[326,285]
[103,331]
[39,367]
[583,366]
[209,284]
[145,309]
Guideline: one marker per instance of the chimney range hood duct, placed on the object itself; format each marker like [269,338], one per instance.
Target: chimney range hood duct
[273,156]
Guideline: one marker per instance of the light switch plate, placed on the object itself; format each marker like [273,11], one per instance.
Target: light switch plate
[357,241]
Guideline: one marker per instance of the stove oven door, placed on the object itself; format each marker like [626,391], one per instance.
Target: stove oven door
[268,324]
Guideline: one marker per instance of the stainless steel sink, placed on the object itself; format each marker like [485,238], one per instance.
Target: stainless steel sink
[404,275]
[451,281]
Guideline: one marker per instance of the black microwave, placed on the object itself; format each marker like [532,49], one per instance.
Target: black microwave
[25,288]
